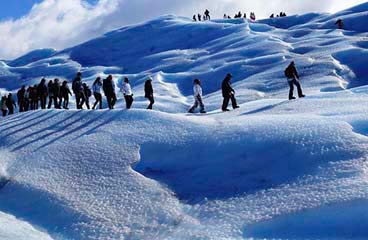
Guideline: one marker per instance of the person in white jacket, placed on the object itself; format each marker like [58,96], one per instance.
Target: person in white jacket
[197,89]
[127,92]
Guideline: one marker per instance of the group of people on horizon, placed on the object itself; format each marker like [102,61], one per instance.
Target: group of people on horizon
[198,17]
[252,16]
[58,94]
[282,14]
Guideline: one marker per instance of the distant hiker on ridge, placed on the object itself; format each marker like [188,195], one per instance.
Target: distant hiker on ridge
[148,92]
[108,87]
[96,88]
[199,17]
[340,23]
[293,79]
[207,15]
[194,18]
[197,89]
[228,93]
[127,92]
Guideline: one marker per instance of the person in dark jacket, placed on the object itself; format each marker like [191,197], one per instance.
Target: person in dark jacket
[207,15]
[87,94]
[77,87]
[33,95]
[228,93]
[148,93]
[199,17]
[64,93]
[108,87]
[21,95]
[3,107]
[293,79]
[42,93]
[96,89]
[10,103]
[340,23]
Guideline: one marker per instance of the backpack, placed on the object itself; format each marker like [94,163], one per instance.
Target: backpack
[88,92]
[288,73]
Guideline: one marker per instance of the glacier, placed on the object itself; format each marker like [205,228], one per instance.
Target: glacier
[273,169]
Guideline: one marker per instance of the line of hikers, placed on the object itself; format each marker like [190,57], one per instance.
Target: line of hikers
[59,94]
[198,17]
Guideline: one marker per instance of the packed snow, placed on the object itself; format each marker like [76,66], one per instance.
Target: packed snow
[273,169]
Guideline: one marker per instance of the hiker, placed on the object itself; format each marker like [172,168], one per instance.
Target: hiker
[148,92]
[194,18]
[3,106]
[10,103]
[228,93]
[78,91]
[108,87]
[41,93]
[252,16]
[54,93]
[21,94]
[245,16]
[96,88]
[33,95]
[87,94]
[207,15]
[27,99]
[57,96]
[272,15]
[64,94]
[197,89]
[199,17]
[340,23]
[127,92]
[293,79]
[225,16]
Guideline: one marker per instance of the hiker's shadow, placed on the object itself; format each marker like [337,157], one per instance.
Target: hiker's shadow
[265,108]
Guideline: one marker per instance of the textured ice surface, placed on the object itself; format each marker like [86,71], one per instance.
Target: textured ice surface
[274,169]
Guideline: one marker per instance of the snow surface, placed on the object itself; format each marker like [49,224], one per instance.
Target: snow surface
[274,169]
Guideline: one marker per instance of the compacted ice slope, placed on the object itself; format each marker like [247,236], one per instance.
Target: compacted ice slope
[274,169]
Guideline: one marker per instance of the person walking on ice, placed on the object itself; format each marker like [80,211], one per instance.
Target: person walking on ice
[127,92]
[3,106]
[293,79]
[228,94]
[96,88]
[197,89]
[148,92]
[108,87]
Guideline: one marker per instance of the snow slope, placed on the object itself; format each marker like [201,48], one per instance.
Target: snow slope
[273,169]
